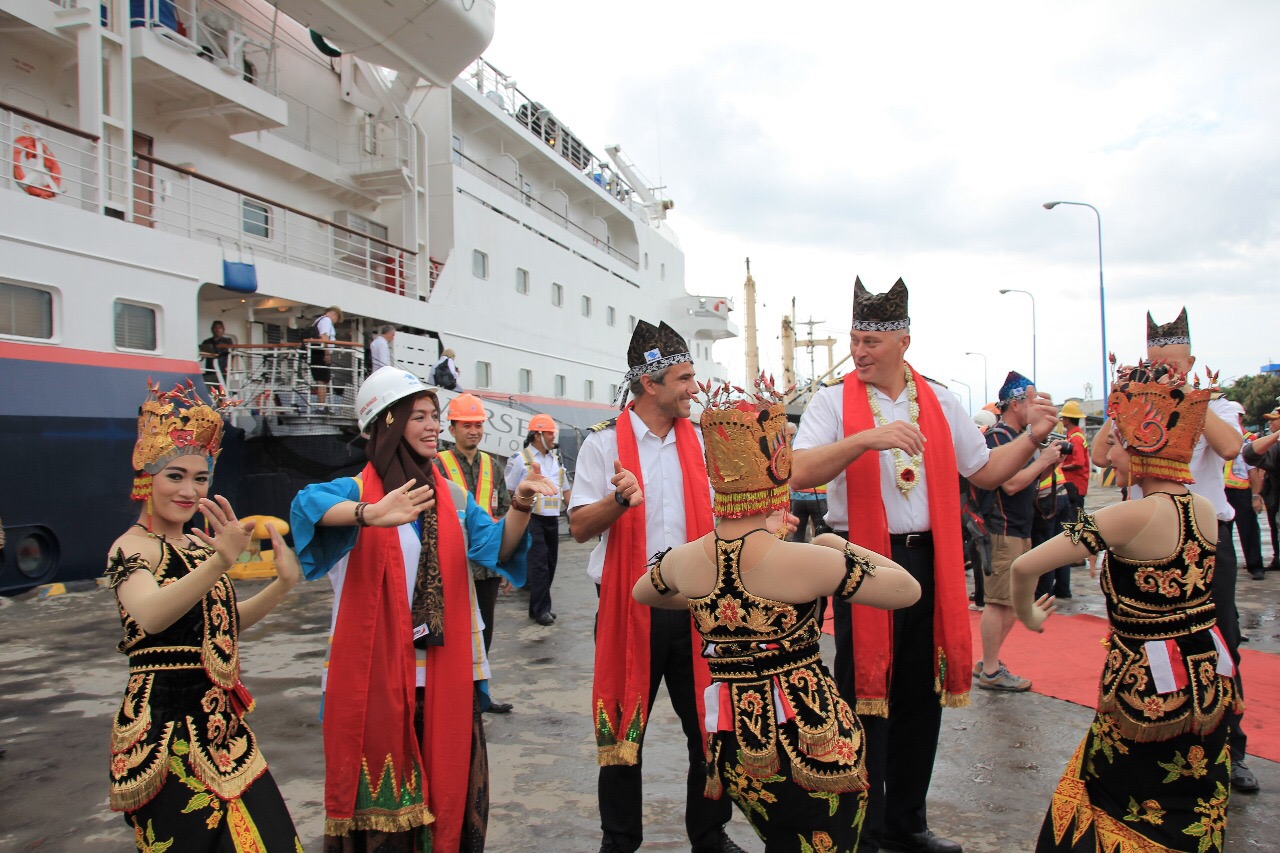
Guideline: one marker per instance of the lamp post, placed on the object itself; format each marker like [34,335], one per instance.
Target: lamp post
[970,390]
[1034,370]
[986,397]
[1102,294]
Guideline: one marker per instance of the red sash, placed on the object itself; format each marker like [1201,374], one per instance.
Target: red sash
[369,741]
[869,527]
[620,693]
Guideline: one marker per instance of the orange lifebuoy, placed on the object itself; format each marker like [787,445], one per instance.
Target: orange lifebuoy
[35,168]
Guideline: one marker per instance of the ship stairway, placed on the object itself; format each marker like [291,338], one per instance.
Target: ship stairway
[274,386]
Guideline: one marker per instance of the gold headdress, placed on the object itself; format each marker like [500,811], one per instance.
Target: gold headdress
[1158,419]
[172,424]
[748,454]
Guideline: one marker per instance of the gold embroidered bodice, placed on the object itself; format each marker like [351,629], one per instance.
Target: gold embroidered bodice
[765,663]
[184,705]
[1164,608]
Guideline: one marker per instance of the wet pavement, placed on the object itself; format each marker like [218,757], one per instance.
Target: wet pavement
[61,679]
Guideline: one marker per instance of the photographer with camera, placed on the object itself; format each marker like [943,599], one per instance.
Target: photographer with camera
[1008,511]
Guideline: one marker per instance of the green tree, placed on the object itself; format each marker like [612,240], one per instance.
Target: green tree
[1258,394]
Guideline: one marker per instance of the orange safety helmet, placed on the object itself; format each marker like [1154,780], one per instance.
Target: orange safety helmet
[542,423]
[466,408]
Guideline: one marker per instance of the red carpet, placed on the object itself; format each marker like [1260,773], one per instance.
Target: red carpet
[1065,662]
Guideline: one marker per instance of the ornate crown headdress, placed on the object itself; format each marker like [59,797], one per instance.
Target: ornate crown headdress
[172,424]
[880,312]
[748,454]
[1158,419]
[652,348]
[1170,334]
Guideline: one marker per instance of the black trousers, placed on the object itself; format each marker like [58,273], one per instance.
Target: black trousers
[1058,581]
[620,786]
[543,555]
[1247,526]
[487,600]
[1272,503]
[901,747]
[814,512]
[1224,610]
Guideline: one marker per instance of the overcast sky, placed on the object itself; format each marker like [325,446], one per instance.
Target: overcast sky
[919,139]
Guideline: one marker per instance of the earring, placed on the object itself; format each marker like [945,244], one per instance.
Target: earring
[390,420]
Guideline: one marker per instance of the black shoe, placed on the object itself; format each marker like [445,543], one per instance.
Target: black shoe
[607,846]
[1242,779]
[921,842]
[724,844]
[545,619]
[1257,574]
[498,708]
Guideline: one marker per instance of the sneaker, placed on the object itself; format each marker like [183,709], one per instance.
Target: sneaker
[978,608]
[1004,680]
[977,667]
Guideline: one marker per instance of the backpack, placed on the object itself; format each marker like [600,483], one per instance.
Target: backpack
[443,377]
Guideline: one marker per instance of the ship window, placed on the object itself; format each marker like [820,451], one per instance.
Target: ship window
[588,390]
[557,294]
[646,260]
[483,373]
[611,316]
[256,218]
[135,326]
[479,264]
[457,149]
[613,392]
[522,281]
[662,271]
[631,320]
[586,306]
[526,380]
[560,385]
[25,311]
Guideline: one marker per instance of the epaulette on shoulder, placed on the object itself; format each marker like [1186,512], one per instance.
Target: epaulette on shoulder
[832,382]
[603,425]
[931,380]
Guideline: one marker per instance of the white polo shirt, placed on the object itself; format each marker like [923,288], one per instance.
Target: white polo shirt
[823,423]
[660,477]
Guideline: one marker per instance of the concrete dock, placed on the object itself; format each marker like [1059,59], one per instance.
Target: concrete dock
[61,680]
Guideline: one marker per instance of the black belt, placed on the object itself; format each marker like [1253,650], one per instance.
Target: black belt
[923,539]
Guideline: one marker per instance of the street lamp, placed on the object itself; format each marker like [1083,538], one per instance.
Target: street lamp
[1034,371]
[970,390]
[986,398]
[1102,294]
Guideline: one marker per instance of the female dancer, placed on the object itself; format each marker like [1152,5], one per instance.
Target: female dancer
[781,739]
[1153,772]
[185,767]
[404,745]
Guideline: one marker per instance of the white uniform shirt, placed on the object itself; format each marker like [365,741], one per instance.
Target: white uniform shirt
[1206,465]
[325,329]
[823,423]
[551,469]
[660,477]
[379,352]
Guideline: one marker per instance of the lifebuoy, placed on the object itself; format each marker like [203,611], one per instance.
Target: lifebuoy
[35,168]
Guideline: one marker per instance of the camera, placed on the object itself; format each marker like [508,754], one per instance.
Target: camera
[1060,439]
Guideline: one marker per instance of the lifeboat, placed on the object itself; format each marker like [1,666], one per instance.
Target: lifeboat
[433,39]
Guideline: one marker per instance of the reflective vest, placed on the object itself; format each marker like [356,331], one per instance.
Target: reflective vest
[485,494]
[544,504]
[1047,482]
[1228,475]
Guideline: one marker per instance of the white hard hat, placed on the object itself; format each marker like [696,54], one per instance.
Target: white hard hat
[385,386]
[984,419]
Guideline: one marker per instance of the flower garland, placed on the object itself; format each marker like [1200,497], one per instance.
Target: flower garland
[907,467]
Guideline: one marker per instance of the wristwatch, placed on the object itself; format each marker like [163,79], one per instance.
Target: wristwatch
[622,502]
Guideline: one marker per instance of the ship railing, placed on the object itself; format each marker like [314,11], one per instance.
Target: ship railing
[275,380]
[176,199]
[213,32]
[497,181]
[502,91]
[48,159]
[363,146]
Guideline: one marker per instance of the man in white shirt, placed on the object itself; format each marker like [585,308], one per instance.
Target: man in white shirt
[380,348]
[540,449]
[641,485]
[919,440]
[323,329]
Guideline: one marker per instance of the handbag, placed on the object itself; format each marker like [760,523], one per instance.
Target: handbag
[239,276]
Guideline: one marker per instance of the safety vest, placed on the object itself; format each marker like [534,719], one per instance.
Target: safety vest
[486,495]
[1047,482]
[1228,476]
[544,504]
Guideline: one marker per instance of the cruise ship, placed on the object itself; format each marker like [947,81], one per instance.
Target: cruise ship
[172,163]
